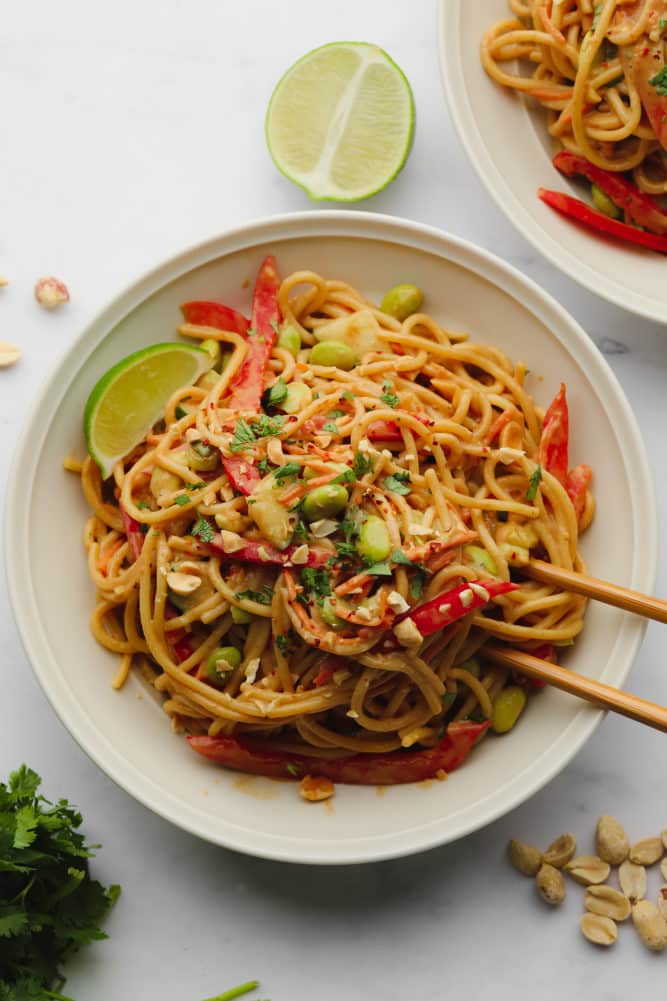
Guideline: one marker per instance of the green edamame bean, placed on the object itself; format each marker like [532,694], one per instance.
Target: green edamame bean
[481,558]
[164,482]
[329,616]
[325,502]
[334,354]
[290,340]
[221,663]
[212,348]
[402,301]
[202,457]
[374,544]
[239,616]
[299,395]
[208,379]
[507,708]
[604,203]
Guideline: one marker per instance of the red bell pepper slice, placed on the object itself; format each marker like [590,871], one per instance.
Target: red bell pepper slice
[133,532]
[553,449]
[390,431]
[622,192]
[248,383]
[451,605]
[575,209]
[214,314]
[394,768]
[178,638]
[577,483]
[243,475]
[266,555]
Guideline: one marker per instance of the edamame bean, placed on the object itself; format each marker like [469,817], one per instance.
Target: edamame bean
[325,502]
[290,340]
[329,616]
[604,203]
[333,354]
[202,457]
[212,348]
[507,708]
[239,616]
[374,544]
[208,379]
[402,301]
[299,395]
[164,482]
[481,558]
[221,663]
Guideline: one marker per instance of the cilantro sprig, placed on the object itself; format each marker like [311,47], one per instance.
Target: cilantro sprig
[389,398]
[49,905]
[533,483]
[398,482]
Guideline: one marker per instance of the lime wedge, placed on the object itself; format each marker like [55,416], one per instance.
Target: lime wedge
[340,121]
[131,397]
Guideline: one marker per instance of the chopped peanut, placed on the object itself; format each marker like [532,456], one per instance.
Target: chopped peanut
[51,292]
[315,789]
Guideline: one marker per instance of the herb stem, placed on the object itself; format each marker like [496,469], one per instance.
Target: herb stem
[236,992]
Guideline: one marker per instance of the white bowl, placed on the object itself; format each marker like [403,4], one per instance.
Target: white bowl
[128,735]
[509,146]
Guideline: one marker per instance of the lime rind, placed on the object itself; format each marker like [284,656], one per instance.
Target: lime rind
[401,157]
[196,361]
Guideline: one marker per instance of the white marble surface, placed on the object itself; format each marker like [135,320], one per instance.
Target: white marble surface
[127,134]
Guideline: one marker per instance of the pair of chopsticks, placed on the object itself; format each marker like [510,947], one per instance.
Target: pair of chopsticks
[604,696]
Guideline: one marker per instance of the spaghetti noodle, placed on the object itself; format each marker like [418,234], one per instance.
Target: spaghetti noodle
[207,538]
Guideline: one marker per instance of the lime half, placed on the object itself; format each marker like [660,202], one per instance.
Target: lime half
[131,397]
[340,121]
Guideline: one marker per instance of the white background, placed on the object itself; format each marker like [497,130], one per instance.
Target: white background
[128,132]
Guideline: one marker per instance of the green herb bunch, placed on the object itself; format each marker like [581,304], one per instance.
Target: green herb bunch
[49,905]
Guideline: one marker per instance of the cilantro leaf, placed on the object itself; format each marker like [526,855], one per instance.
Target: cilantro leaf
[387,397]
[263,597]
[397,482]
[277,393]
[317,581]
[379,569]
[398,557]
[347,395]
[179,412]
[244,436]
[181,500]
[265,426]
[263,466]
[331,427]
[289,469]
[346,477]
[203,530]
[336,413]
[417,583]
[195,486]
[362,464]
[659,81]
[535,479]
[293,769]
[281,642]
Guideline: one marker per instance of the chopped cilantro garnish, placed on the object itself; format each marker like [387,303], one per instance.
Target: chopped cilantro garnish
[263,597]
[350,526]
[659,81]
[265,426]
[202,529]
[181,500]
[347,395]
[243,436]
[195,486]
[388,397]
[531,492]
[662,23]
[143,529]
[263,466]
[281,642]
[397,482]
[289,469]
[293,769]
[417,583]
[143,506]
[277,393]
[362,464]
[336,413]
[317,581]
[179,412]
[346,477]
[398,557]
[597,10]
[378,569]
[331,427]
[344,550]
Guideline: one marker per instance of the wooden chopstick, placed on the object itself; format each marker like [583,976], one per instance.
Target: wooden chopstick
[586,688]
[602,590]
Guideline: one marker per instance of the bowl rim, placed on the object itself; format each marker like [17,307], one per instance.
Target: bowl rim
[461,114]
[325,224]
